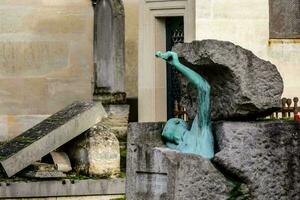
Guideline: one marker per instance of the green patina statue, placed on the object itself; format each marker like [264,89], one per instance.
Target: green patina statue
[199,139]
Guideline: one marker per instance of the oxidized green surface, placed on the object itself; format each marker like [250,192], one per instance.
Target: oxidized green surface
[199,139]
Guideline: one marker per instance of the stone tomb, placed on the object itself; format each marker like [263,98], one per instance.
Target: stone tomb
[48,135]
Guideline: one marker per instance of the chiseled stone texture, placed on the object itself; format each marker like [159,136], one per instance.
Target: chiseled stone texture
[266,155]
[96,152]
[158,173]
[243,85]
[46,55]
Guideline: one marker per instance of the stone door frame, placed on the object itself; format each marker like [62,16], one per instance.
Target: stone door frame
[152,87]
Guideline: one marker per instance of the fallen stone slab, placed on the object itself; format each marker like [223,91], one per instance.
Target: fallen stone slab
[155,172]
[242,85]
[48,135]
[265,155]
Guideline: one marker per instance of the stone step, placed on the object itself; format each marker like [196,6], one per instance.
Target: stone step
[48,135]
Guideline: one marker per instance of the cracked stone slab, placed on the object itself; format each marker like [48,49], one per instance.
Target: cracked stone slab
[48,135]
[242,85]
[266,155]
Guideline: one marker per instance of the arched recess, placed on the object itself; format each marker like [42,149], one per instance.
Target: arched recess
[109,45]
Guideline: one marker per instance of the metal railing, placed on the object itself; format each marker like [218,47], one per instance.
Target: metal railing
[288,109]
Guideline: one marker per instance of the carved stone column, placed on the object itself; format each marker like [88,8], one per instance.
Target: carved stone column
[109,45]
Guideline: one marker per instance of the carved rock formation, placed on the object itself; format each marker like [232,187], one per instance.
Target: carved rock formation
[265,155]
[243,85]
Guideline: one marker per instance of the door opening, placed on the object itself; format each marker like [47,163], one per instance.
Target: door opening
[174,35]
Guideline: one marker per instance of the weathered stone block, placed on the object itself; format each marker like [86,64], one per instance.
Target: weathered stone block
[155,172]
[265,155]
[48,135]
[96,152]
[61,161]
[242,85]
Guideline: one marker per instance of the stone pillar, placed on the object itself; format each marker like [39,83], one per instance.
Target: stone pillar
[109,45]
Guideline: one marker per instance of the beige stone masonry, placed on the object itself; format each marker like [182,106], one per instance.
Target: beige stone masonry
[46,58]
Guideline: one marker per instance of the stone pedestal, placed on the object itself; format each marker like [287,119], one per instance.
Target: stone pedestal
[155,172]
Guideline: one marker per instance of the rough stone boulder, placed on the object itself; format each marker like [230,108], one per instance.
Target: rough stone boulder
[264,155]
[96,152]
[243,85]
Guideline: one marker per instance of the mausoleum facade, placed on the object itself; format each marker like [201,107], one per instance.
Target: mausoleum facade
[269,28]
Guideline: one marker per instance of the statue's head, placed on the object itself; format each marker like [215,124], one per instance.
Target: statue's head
[174,130]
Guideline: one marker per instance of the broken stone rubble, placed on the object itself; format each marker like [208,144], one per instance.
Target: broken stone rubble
[39,170]
[48,135]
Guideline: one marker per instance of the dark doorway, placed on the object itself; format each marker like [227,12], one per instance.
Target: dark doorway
[174,35]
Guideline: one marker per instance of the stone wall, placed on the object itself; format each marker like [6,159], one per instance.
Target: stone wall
[246,23]
[46,58]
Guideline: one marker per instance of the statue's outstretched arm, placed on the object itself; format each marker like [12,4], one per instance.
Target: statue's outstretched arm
[201,84]
[192,76]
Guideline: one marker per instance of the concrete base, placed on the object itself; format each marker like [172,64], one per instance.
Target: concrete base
[62,188]
[102,197]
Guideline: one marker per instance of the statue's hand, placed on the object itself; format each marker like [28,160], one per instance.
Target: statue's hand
[169,56]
